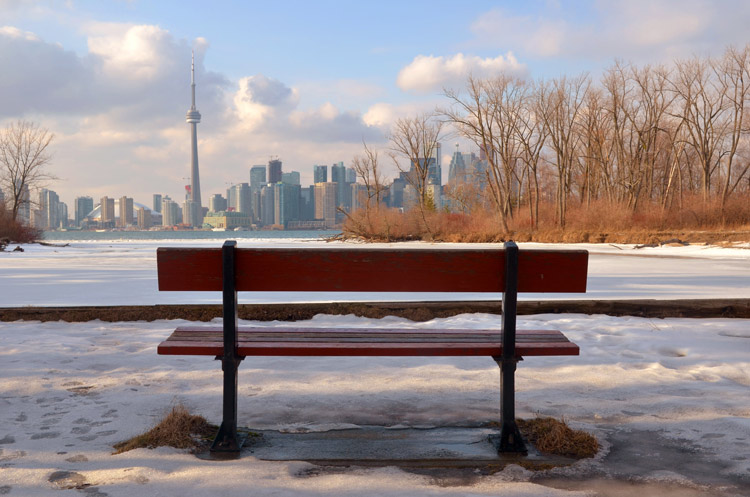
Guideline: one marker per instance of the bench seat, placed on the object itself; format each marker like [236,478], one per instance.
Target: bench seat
[267,341]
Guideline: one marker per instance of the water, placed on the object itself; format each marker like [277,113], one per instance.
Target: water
[184,235]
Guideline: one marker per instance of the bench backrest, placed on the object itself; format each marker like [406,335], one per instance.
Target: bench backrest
[372,270]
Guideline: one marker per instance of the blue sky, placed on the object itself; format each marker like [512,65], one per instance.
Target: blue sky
[306,81]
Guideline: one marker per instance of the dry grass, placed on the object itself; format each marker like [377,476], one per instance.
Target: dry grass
[694,221]
[552,436]
[178,429]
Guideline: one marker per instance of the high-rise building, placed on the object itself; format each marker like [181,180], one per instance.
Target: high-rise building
[157,202]
[359,196]
[126,212]
[257,177]
[325,203]
[457,168]
[239,199]
[285,203]
[49,205]
[274,171]
[267,205]
[320,174]
[145,220]
[24,204]
[217,203]
[338,173]
[291,178]
[82,208]
[193,117]
[107,212]
[171,212]
[351,175]
[62,215]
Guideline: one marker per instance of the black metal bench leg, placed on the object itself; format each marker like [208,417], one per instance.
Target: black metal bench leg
[227,442]
[510,435]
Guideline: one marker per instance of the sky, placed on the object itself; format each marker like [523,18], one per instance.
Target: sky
[306,82]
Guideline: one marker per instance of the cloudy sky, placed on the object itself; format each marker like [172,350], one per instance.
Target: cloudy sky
[306,81]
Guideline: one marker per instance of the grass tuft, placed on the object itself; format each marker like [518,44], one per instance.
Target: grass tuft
[553,436]
[178,429]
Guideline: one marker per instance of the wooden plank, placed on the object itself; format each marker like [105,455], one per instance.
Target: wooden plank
[372,270]
[371,342]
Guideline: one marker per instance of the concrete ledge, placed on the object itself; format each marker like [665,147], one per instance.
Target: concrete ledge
[416,311]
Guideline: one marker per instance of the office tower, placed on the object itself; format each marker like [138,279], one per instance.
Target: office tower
[107,212]
[267,205]
[157,202]
[325,203]
[338,173]
[49,207]
[285,203]
[291,178]
[62,215]
[239,199]
[257,177]
[193,117]
[435,169]
[144,218]
[307,203]
[320,174]
[351,175]
[396,191]
[274,171]
[359,196]
[457,168]
[82,207]
[217,203]
[126,212]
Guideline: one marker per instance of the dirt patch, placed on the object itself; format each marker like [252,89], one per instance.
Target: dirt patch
[415,311]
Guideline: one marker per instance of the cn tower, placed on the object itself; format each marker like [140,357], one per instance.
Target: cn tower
[193,118]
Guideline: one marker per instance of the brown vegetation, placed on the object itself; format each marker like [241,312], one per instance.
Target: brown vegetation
[178,429]
[551,436]
[600,221]
[12,231]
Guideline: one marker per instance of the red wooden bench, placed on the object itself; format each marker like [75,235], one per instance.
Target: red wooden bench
[507,271]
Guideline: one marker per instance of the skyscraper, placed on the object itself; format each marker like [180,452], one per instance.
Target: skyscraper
[126,211]
[257,177]
[193,118]
[274,171]
[320,174]
[157,202]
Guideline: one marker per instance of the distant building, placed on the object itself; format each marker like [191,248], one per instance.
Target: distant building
[227,220]
[285,203]
[50,210]
[267,205]
[107,219]
[239,199]
[145,220]
[291,178]
[274,171]
[82,206]
[157,202]
[2,197]
[359,196]
[257,177]
[171,212]
[320,174]
[126,212]
[325,203]
[24,204]
[216,203]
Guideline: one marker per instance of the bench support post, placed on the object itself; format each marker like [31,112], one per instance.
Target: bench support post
[510,435]
[226,441]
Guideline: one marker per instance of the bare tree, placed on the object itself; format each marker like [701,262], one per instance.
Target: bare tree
[560,105]
[415,140]
[23,161]
[490,114]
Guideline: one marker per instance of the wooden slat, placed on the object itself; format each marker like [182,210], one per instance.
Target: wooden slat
[368,342]
[372,270]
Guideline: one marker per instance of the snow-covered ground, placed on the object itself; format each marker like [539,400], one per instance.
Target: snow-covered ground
[124,273]
[667,397]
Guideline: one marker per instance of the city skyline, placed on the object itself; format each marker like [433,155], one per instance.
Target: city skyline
[109,79]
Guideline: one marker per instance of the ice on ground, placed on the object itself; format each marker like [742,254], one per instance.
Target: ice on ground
[69,391]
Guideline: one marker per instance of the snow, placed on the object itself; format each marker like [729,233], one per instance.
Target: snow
[69,391]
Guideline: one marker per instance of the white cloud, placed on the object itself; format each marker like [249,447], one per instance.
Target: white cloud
[261,100]
[427,74]
[641,30]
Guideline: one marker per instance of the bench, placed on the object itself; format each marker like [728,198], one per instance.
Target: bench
[230,269]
